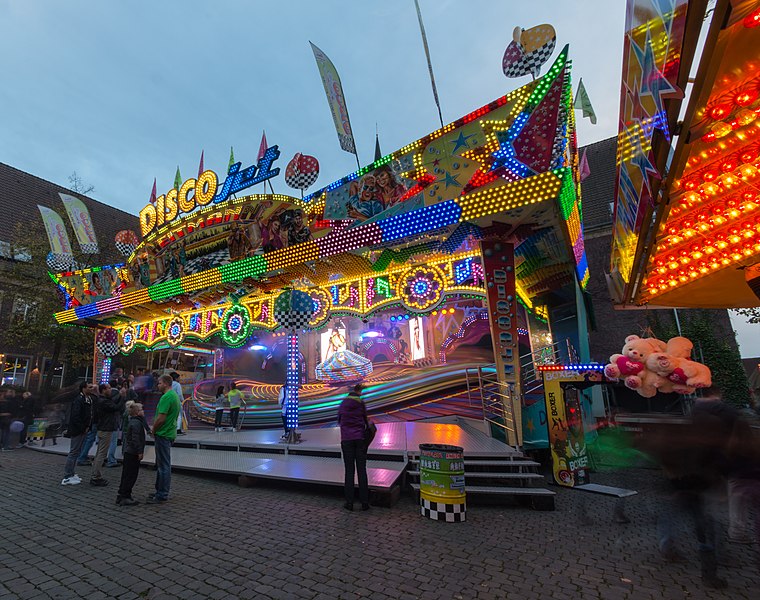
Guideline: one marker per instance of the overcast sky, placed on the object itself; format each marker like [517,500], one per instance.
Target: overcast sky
[122,92]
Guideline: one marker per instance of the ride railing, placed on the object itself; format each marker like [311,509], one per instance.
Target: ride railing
[496,398]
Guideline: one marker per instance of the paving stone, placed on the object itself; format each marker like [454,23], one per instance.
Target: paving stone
[209,542]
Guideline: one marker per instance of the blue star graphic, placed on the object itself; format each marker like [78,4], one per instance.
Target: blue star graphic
[654,83]
[450,180]
[461,141]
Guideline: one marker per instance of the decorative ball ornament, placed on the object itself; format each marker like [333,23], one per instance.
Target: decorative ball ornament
[421,288]
[302,171]
[321,302]
[59,262]
[128,339]
[126,242]
[107,342]
[175,331]
[236,325]
[293,309]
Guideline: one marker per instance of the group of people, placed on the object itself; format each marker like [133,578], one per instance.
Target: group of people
[17,412]
[100,409]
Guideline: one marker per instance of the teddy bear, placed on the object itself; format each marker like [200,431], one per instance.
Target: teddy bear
[674,364]
[631,363]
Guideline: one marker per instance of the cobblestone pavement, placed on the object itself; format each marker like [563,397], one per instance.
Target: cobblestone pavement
[217,540]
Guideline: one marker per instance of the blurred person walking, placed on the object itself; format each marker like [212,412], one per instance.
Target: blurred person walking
[108,409]
[177,387]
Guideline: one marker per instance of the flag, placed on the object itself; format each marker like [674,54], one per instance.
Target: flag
[378,154]
[153,193]
[430,64]
[81,222]
[56,231]
[336,99]
[584,169]
[582,102]
[177,179]
[232,159]
[200,166]
[263,146]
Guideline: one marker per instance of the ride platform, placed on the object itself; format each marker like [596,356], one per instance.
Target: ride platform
[258,454]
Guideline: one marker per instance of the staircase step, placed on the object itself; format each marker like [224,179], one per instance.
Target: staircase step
[491,463]
[487,475]
[499,491]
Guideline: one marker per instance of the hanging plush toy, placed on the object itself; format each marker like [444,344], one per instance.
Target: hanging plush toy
[683,374]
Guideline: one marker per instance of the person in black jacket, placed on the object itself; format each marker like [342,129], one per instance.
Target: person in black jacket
[134,446]
[79,424]
[109,408]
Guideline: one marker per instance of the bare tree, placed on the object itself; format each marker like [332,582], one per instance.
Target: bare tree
[77,185]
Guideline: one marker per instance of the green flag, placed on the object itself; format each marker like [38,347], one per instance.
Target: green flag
[232,159]
[177,179]
[582,102]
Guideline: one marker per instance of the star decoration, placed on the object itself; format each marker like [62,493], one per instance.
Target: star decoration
[461,141]
[530,426]
[450,179]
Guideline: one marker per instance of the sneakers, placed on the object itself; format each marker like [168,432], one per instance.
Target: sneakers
[99,482]
[154,500]
[73,480]
[127,502]
[112,465]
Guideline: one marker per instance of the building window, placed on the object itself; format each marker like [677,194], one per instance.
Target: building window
[13,370]
[57,380]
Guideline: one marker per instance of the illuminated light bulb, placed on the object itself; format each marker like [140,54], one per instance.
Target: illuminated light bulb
[745,97]
[721,129]
[752,19]
[747,171]
[711,189]
[720,112]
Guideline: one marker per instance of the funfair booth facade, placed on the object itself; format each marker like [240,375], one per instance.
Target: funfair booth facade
[477,223]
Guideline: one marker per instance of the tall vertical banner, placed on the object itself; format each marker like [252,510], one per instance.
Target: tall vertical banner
[564,420]
[501,294]
[336,99]
[56,231]
[81,222]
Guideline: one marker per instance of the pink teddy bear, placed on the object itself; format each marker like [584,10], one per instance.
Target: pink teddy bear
[631,364]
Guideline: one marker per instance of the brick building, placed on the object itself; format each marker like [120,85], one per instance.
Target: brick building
[20,193]
[610,326]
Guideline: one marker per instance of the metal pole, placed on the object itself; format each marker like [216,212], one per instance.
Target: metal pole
[678,322]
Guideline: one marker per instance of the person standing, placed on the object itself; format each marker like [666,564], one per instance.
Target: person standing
[83,458]
[283,406]
[133,449]
[164,432]
[235,398]
[26,415]
[109,408]
[79,424]
[352,418]
[177,387]
[219,405]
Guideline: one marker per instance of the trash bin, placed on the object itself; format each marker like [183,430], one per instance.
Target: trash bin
[442,493]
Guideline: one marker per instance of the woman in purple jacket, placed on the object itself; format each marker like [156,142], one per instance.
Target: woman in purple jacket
[352,418]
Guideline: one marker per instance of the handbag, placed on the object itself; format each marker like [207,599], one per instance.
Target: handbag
[370,429]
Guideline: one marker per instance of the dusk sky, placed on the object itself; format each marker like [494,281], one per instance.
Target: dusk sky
[122,92]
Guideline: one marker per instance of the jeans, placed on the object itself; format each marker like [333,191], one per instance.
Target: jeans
[285,424]
[131,468]
[111,460]
[218,417]
[89,440]
[163,467]
[355,453]
[234,415]
[104,441]
[74,449]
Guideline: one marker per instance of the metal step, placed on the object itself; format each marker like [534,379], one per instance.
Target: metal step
[491,463]
[487,475]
